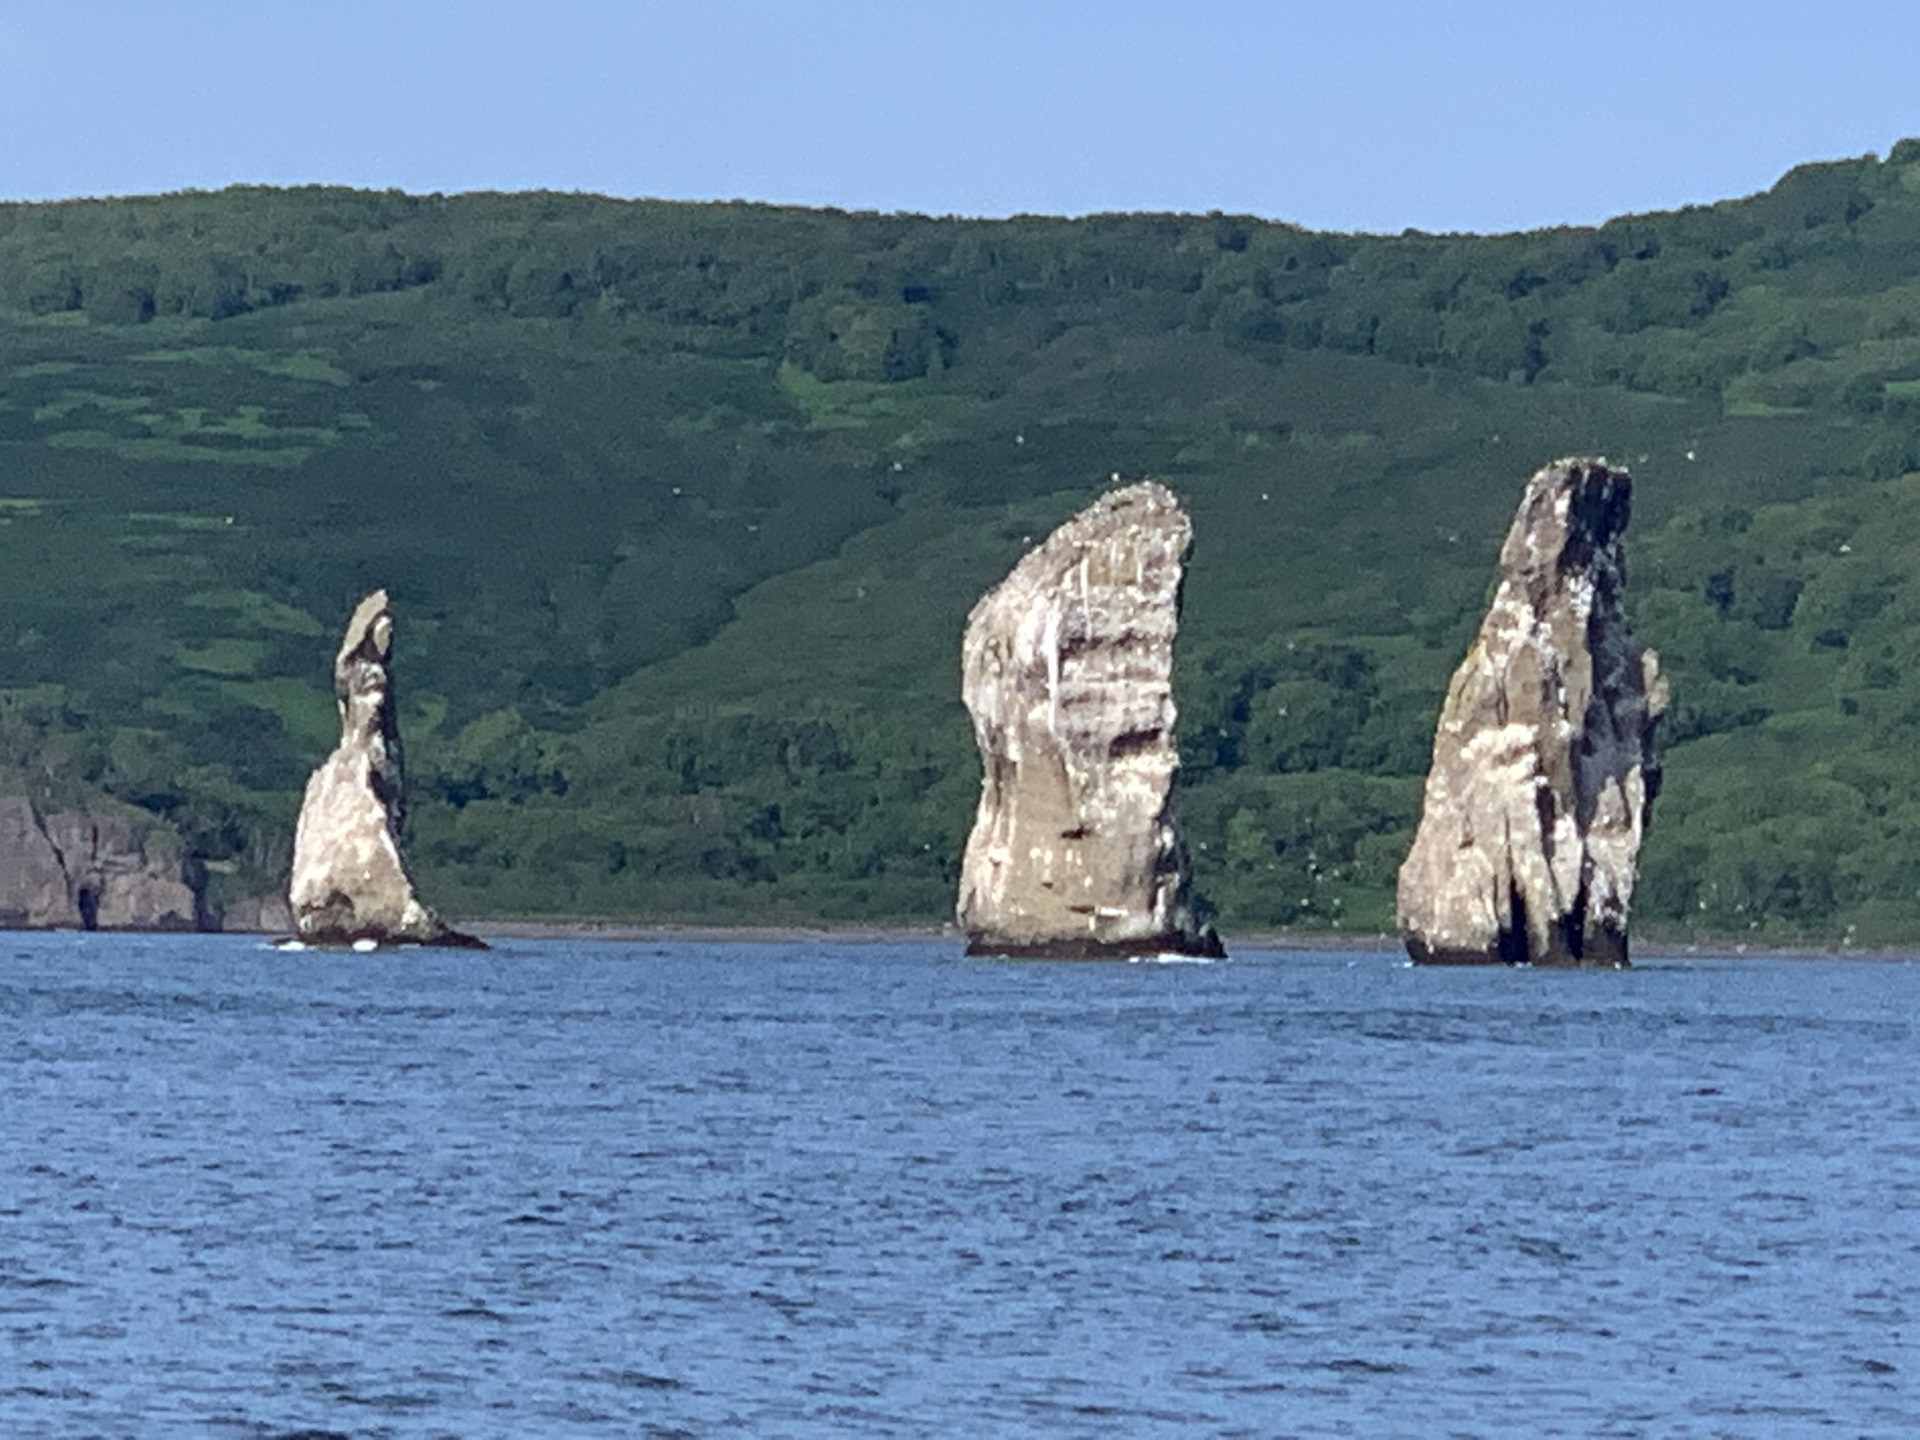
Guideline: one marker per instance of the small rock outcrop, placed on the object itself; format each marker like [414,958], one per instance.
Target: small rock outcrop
[350,882]
[257,915]
[92,868]
[1067,672]
[1543,764]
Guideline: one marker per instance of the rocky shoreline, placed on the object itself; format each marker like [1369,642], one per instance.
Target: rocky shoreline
[1651,948]
[1239,942]
[94,867]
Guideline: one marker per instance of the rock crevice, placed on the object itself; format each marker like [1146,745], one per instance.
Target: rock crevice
[1067,673]
[1544,762]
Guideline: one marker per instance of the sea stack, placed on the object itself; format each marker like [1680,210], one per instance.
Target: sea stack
[1067,670]
[350,884]
[1543,764]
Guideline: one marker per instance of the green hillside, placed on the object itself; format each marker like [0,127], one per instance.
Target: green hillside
[682,508]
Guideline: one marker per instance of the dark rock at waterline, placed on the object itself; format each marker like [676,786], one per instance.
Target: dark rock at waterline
[1182,943]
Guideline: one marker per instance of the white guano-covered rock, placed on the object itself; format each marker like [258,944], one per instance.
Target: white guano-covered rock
[1544,762]
[1067,672]
[350,882]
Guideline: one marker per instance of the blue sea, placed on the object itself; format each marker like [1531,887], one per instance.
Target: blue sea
[835,1189]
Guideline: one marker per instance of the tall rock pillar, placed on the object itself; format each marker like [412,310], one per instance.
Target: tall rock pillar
[1067,672]
[1543,764]
[350,881]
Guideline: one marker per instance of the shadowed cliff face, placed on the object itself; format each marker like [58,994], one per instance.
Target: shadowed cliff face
[350,880]
[1543,763]
[92,869]
[1067,673]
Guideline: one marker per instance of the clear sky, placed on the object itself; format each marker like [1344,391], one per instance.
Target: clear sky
[1337,114]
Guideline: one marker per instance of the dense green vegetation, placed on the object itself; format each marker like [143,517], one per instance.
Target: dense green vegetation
[683,506]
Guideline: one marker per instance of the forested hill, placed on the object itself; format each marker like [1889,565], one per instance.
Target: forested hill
[682,508]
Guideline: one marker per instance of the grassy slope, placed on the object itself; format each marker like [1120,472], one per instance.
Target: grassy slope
[682,564]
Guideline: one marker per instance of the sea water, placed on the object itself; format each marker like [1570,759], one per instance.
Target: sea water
[598,1188]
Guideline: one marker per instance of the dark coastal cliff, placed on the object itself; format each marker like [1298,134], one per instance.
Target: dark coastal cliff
[105,867]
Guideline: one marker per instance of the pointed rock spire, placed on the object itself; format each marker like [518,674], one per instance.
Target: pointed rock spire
[350,881]
[1543,763]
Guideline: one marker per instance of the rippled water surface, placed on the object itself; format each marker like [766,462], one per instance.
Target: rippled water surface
[815,1189]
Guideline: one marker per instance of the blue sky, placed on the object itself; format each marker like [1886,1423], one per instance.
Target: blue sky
[1338,114]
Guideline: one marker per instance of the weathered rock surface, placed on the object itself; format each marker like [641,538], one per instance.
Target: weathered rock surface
[1067,672]
[257,915]
[91,869]
[1543,764]
[350,881]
